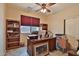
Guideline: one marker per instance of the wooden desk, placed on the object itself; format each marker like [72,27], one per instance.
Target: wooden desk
[32,43]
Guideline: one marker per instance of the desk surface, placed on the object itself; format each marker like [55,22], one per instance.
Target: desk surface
[39,39]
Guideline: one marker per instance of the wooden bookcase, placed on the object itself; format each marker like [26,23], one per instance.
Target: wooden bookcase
[12,34]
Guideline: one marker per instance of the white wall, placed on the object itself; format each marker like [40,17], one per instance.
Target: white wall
[2,30]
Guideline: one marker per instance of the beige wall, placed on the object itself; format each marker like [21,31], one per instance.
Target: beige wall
[14,13]
[23,38]
[56,21]
[2,29]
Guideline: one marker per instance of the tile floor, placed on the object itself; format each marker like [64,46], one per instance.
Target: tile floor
[23,52]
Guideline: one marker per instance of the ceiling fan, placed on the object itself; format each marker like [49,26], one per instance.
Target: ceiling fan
[44,7]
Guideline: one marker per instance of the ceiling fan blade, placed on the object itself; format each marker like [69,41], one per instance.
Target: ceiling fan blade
[48,10]
[50,4]
[38,4]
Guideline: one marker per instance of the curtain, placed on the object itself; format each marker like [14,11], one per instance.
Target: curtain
[29,21]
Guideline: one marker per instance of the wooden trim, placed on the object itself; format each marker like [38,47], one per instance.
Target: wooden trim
[64,26]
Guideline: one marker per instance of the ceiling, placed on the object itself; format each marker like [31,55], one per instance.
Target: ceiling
[54,8]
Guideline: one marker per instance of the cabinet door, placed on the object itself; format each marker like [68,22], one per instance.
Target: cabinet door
[44,26]
[52,44]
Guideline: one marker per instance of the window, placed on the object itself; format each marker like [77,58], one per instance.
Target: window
[29,29]
[29,24]
[25,29]
[33,29]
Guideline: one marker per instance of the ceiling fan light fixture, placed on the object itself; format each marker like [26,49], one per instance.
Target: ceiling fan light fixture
[44,7]
[43,10]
